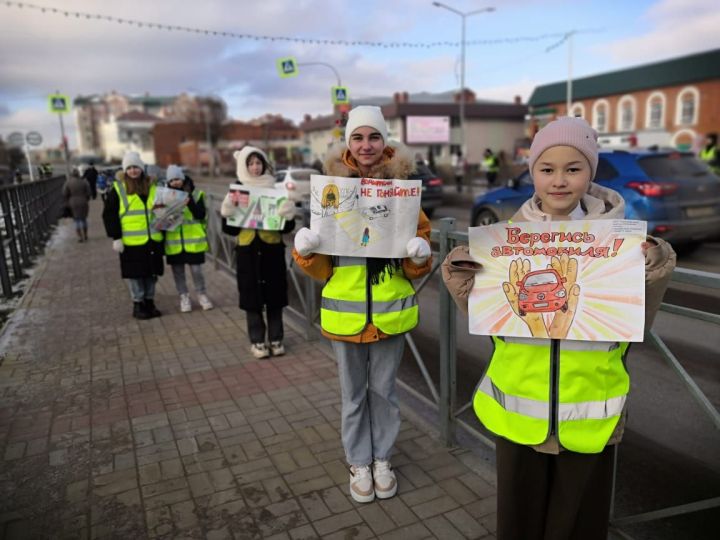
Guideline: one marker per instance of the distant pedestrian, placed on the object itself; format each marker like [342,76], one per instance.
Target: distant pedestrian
[458,166]
[77,194]
[710,153]
[187,243]
[104,183]
[91,175]
[260,258]
[128,221]
[491,166]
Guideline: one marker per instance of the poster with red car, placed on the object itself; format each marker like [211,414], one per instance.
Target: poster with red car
[578,280]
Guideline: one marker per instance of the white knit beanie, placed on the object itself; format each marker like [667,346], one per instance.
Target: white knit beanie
[132,159]
[365,115]
[566,131]
[173,172]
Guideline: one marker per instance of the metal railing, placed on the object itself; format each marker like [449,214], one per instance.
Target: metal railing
[444,398]
[27,214]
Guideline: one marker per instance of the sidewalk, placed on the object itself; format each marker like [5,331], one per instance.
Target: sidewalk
[116,428]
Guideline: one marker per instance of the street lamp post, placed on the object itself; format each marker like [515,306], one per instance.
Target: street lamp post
[463,16]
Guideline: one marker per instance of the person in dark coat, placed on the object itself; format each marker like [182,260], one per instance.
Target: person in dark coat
[140,247]
[260,255]
[187,243]
[77,194]
[90,175]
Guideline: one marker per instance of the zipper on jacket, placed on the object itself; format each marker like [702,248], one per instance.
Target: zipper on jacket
[554,381]
[368,294]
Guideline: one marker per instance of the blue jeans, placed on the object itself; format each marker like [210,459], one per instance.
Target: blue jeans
[370,410]
[142,288]
[196,270]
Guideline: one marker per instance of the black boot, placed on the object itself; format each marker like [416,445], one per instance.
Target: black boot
[139,311]
[150,308]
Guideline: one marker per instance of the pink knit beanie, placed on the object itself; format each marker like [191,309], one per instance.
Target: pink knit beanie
[566,131]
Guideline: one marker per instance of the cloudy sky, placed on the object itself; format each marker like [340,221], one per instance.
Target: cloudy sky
[41,52]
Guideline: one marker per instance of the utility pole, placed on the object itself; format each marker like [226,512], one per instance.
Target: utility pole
[463,16]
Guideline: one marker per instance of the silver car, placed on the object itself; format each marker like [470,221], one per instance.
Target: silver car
[297,183]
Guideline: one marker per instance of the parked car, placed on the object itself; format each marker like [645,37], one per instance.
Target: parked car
[297,183]
[674,192]
[432,188]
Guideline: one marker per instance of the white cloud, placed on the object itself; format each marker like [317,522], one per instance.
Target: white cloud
[677,27]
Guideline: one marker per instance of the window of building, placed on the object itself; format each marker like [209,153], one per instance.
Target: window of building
[578,110]
[435,149]
[454,149]
[655,115]
[600,116]
[688,102]
[626,114]
[454,121]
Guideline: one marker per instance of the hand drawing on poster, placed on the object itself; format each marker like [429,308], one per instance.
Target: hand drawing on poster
[168,207]
[580,280]
[364,217]
[256,208]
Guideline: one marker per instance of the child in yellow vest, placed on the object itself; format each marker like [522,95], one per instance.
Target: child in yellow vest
[559,487]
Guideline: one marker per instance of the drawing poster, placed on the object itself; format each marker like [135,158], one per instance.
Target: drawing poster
[256,208]
[168,207]
[364,217]
[580,280]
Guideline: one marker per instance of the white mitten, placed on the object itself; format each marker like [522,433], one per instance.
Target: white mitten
[118,245]
[306,241]
[227,208]
[418,250]
[287,209]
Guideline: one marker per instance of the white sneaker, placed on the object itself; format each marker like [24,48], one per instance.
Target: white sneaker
[385,481]
[361,484]
[185,305]
[205,302]
[276,348]
[259,350]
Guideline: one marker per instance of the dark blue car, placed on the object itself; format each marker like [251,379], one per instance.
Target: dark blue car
[674,192]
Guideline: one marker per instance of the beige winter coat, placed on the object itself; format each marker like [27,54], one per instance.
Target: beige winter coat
[458,269]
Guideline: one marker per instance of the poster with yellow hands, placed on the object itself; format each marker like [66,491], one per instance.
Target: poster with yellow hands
[580,280]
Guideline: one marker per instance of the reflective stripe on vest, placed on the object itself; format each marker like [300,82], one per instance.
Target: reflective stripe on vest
[514,398]
[190,236]
[136,217]
[344,305]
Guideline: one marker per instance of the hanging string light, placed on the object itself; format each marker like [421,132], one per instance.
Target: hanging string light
[313,41]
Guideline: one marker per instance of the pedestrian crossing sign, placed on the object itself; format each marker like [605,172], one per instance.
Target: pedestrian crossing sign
[287,67]
[59,103]
[340,95]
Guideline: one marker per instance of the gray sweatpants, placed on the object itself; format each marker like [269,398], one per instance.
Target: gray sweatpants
[370,410]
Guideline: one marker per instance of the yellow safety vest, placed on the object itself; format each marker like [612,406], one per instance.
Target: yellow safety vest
[136,217]
[490,164]
[190,236]
[708,155]
[575,390]
[350,301]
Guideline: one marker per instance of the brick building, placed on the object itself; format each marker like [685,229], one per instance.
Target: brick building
[670,103]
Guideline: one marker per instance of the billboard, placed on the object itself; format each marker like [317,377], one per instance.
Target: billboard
[427,129]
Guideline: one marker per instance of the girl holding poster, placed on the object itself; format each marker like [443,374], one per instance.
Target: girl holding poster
[556,405]
[367,306]
[260,258]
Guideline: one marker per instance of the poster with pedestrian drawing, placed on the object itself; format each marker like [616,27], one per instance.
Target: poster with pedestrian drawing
[364,217]
[167,208]
[256,208]
[578,280]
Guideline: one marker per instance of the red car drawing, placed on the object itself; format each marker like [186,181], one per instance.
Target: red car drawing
[541,290]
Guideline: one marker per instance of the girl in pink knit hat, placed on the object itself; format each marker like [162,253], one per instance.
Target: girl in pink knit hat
[549,485]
